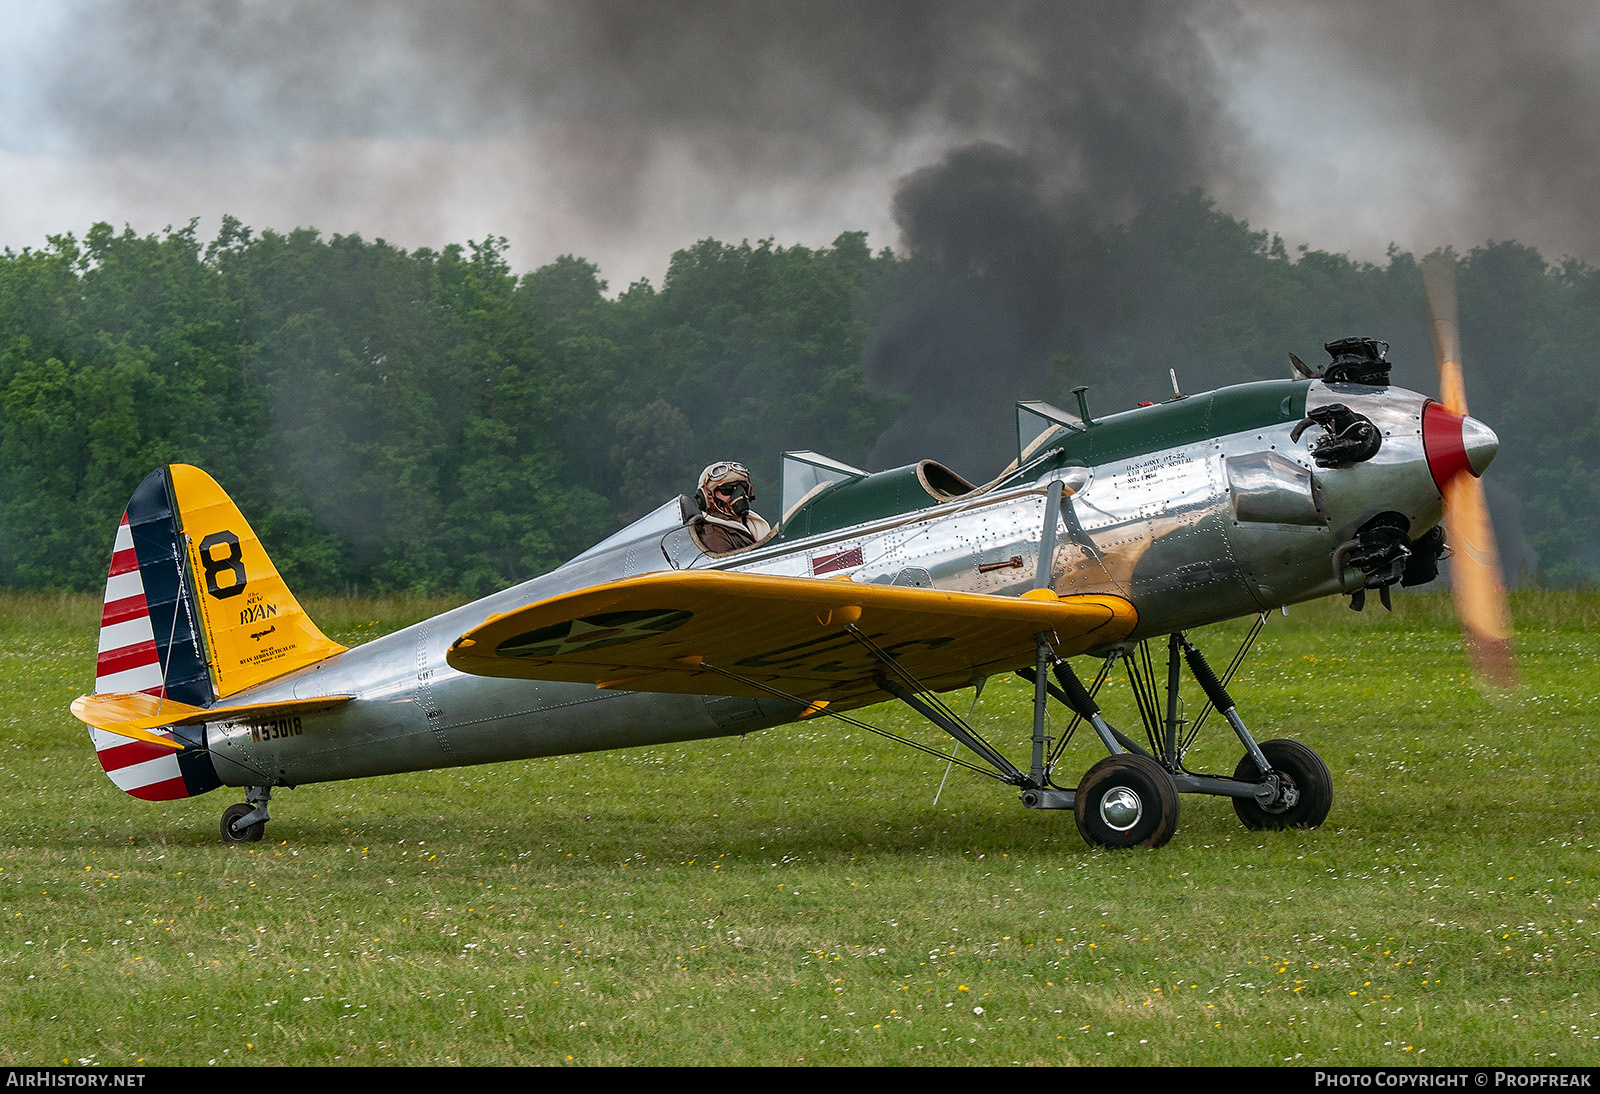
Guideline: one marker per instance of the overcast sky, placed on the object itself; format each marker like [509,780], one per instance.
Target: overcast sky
[621,132]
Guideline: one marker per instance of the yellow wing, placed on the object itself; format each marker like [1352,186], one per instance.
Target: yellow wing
[674,631]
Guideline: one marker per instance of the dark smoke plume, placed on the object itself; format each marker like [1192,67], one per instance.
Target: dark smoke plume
[981,308]
[1061,116]
[760,88]
[1126,109]
[1042,121]
[1109,98]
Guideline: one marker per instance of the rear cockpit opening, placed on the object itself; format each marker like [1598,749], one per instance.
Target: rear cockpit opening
[822,495]
[941,483]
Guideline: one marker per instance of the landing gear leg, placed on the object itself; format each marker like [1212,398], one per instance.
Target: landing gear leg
[1130,798]
[1293,788]
[247,821]
[1222,701]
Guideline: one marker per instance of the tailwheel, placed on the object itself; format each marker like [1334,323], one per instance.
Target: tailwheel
[250,833]
[1302,796]
[1127,800]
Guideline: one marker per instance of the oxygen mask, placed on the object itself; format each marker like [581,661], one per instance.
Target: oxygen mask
[734,498]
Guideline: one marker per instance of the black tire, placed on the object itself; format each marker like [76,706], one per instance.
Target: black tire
[1299,765]
[1140,790]
[250,834]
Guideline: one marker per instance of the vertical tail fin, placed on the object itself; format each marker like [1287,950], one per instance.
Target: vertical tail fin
[253,627]
[194,611]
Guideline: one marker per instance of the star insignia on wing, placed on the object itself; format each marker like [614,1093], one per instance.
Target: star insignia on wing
[593,632]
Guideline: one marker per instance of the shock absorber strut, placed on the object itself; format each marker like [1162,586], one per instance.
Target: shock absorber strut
[1223,702]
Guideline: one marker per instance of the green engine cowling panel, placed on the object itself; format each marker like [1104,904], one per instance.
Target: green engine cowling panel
[1259,405]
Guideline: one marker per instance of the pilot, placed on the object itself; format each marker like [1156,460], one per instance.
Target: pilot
[725,523]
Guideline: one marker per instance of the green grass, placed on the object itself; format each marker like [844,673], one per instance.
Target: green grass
[795,896]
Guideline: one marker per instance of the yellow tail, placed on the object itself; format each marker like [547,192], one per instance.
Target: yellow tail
[254,629]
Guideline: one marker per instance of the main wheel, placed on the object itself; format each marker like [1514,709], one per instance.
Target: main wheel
[1126,800]
[1301,775]
[249,834]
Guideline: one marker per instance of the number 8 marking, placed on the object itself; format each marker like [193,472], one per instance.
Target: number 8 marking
[214,566]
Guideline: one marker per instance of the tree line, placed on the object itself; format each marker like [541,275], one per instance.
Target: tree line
[433,421]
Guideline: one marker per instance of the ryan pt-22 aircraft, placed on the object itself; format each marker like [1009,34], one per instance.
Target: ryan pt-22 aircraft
[1104,535]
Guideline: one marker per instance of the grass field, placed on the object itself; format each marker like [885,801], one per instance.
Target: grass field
[796,896]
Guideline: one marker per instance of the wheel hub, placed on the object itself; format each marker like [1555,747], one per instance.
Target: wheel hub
[1286,797]
[1121,809]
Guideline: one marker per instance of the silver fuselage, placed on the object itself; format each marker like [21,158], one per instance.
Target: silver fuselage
[1191,534]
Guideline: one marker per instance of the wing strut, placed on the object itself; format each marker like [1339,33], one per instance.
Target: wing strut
[1009,772]
[919,698]
[903,685]
[816,709]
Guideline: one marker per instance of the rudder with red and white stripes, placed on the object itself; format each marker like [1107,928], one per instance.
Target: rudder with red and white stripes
[149,643]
